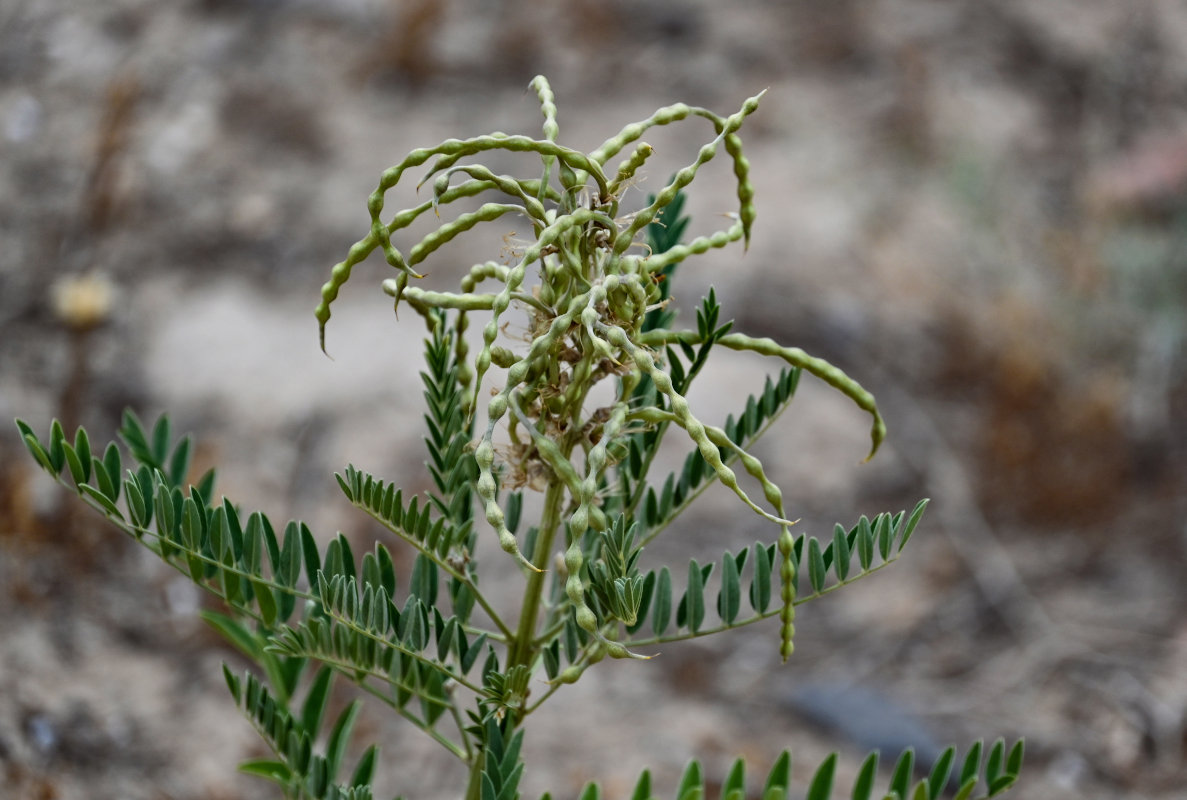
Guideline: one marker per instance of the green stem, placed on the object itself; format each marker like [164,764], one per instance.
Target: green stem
[474,785]
[521,649]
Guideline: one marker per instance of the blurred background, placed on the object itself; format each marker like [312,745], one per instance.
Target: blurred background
[977,209]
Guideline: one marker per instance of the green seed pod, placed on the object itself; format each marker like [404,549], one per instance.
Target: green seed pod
[746,208]
[630,133]
[515,276]
[702,244]
[422,297]
[569,674]
[821,369]
[684,418]
[753,466]
[547,107]
[506,184]
[786,595]
[683,177]
[629,166]
[488,212]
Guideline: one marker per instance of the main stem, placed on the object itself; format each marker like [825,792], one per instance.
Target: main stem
[521,646]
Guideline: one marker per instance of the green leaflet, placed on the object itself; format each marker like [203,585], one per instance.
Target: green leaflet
[822,781]
[295,764]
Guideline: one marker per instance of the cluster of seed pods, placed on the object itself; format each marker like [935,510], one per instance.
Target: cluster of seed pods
[594,283]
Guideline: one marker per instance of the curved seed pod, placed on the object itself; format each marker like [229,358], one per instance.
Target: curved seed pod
[753,466]
[822,369]
[515,276]
[654,263]
[663,116]
[629,166]
[488,212]
[580,522]
[684,418]
[574,588]
[422,297]
[746,208]
[786,595]
[481,272]
[684,176]
[341,271]
[445,161]
[600,347]
[549,451]
[484,454]
[551,128]
[339,275]
[451,150]
[409,215]
[626,296]
[509,186]
[547,106]
[733,147]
